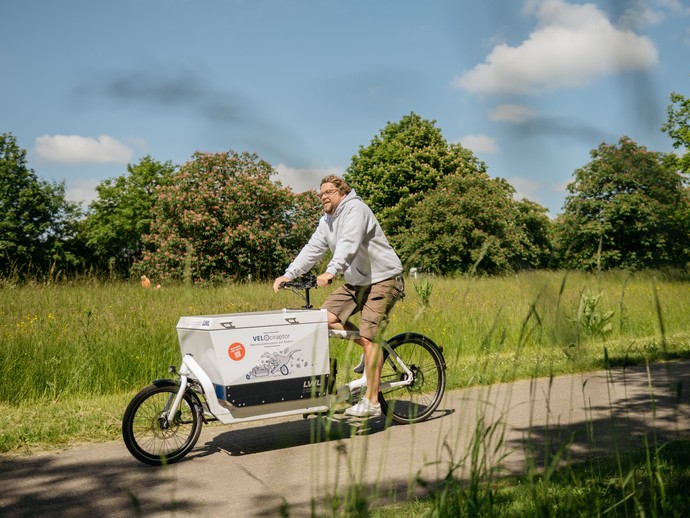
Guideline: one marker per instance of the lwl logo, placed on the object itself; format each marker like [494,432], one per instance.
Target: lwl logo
[312,383]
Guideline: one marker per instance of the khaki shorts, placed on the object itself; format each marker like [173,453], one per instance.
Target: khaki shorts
[375,302]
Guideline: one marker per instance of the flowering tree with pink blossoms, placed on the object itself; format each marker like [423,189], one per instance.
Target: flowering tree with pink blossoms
[223,218]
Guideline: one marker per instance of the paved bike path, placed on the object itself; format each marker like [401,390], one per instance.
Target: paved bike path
[254,468]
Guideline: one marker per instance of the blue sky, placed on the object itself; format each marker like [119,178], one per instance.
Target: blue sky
[531,86]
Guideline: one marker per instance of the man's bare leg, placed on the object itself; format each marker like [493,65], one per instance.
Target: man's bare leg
[373,358]
[373,364]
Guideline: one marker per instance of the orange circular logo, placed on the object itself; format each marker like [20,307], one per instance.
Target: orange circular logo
[236,351]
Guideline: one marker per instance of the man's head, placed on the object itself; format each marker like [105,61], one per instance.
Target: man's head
[332,191]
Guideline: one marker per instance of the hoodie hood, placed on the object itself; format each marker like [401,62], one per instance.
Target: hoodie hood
[352,195]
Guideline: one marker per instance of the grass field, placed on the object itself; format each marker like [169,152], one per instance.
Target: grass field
[88,343]
[72,354]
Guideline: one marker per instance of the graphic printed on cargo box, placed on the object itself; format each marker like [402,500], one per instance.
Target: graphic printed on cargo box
[278,363]
[236,351]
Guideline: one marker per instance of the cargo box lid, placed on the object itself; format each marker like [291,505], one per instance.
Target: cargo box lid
[278,317]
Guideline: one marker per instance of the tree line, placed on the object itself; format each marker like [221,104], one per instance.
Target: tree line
[224,216]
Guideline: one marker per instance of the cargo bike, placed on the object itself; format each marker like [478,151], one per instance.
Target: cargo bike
[248,366]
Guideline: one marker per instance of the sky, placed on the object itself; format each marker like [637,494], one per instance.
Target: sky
[530,86]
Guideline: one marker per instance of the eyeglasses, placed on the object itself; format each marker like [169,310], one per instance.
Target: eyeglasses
[328,193]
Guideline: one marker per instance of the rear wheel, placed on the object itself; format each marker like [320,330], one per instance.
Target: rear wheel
[417,401]
[150,436]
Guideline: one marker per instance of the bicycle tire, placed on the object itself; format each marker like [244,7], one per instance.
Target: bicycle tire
[418,401]
[147,438]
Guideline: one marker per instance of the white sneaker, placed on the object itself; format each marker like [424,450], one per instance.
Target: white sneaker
[359,368]
[364,408]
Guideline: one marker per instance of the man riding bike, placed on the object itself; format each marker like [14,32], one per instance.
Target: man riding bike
[371,269]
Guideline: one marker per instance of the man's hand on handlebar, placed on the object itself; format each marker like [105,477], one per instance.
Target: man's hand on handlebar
[324,279]
[302,283]
[278,283]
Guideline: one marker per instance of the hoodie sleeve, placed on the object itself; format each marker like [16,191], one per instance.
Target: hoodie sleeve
[311,254]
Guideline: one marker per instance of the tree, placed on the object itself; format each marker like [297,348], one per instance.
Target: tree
[536,235]
[627,208]
[121,214]
[678,128]
[435,201]
[404,162]
[221,217]
[36,222]
[471,224]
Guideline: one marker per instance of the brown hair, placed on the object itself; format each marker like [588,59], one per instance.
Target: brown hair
[339,183]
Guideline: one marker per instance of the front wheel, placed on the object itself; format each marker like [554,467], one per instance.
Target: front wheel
[155,438]
[417,401]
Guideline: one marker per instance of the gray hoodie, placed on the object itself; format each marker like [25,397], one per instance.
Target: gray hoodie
[361,253]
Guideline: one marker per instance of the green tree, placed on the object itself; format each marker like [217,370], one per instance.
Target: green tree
[37,223]
[536,235]
[471,224]
[677,127]
[627,208]
[121,214]
[401,164]
[222,217]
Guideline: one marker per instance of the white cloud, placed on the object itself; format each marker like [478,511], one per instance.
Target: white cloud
[304,179]
[82,190]
[572,44]
[74,149]
[511,113]
[480,143]
[525,188]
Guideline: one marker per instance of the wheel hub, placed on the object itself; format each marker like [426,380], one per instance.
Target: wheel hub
[417,379]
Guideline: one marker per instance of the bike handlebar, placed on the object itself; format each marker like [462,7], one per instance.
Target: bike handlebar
[300,283]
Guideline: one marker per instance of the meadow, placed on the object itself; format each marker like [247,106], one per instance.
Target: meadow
[78,344]
[72,353]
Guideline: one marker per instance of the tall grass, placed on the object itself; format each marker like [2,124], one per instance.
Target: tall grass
[498,329]
[99,338]
[91,337]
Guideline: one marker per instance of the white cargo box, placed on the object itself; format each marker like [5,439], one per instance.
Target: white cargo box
[261,357]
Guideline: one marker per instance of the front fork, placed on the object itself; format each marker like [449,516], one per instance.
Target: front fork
[190,369]
[173,404]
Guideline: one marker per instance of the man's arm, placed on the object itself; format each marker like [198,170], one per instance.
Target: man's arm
[312,253]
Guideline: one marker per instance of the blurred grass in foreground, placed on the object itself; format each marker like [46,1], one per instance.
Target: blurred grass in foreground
[647,482]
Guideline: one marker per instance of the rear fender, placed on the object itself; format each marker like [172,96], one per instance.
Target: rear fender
[402,337]
[412,336]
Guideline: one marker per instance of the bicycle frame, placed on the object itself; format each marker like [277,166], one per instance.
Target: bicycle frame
[190,373]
